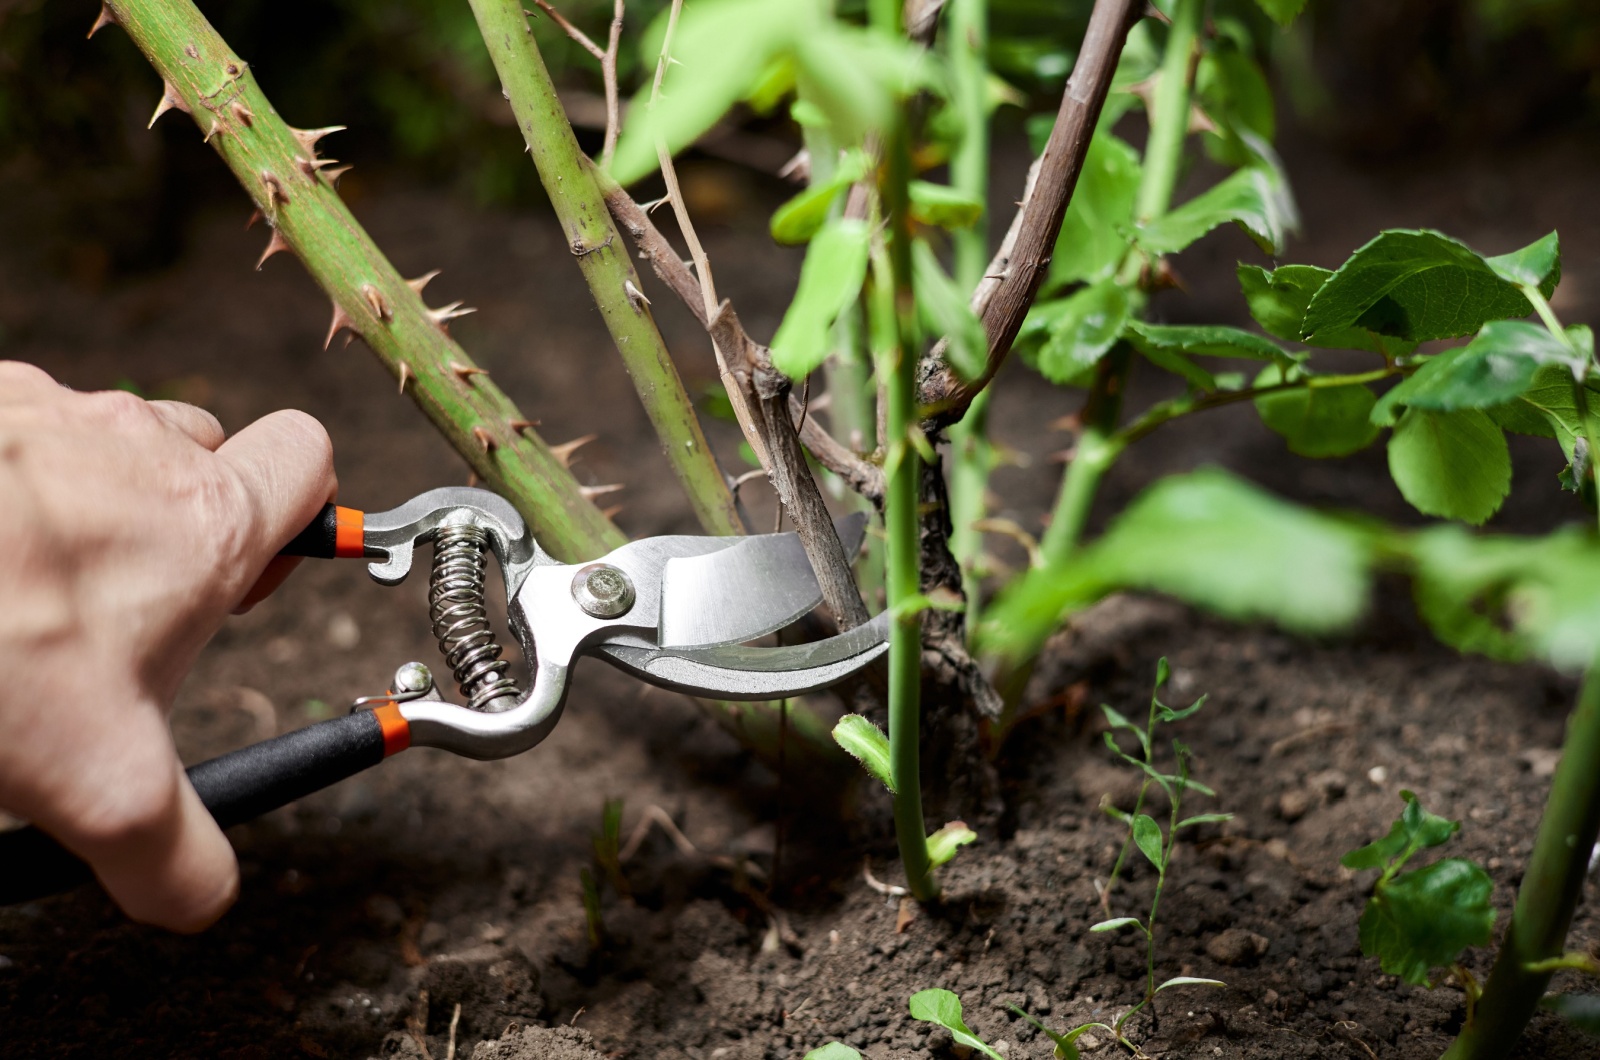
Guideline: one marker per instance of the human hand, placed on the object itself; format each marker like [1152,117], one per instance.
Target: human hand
[129,529]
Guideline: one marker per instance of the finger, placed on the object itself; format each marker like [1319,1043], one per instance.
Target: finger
[191,420]
[133,816]
[278,570]
[285,462]
[23,382]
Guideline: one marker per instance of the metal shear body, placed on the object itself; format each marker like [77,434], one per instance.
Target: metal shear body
[675,611]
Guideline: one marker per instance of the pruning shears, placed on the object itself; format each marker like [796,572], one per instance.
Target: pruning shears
[675,611]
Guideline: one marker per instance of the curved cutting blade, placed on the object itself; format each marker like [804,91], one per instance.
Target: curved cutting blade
[739,672]
[744,591]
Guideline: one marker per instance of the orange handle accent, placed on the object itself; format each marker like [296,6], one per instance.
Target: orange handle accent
[396,730]
[349,532]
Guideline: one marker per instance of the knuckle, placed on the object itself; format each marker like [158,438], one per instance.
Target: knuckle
[119,409]
[19,374]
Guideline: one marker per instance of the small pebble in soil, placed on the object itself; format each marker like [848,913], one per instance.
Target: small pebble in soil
[1236,946]
[1294,804]
[1378,774]
[343,633]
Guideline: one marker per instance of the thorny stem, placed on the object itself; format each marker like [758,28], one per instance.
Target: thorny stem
[607,58]
[603,260]
[897,370]
[1550,890]
[279,170]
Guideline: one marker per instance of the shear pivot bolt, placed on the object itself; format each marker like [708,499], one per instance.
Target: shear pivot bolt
[412,677]
[602,590]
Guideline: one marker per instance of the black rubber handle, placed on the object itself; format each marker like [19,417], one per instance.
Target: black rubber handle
[236,787]
[335,532]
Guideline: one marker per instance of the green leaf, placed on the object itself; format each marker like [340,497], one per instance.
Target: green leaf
[1580,1010]
[1454,465]
[1189,980]
[945,309]
[1098,225]
[1207,340]
[1425,919]
[1244,554]
[857,76]
[1233,91]
[1066,1044]
[943,206]
[1413,285]
[1536,265]
[1509,597]
[1278,300]
[722,48]
[1083,330]
[1205,818]
[1166,713]
[1255,198]
[799,219]
[1496,367]
[1547,408]
[833,1051]
[1147,837]
[1318,421]
[944,1008]
[943,844]
[866,743]
[1415,829]
[1117,924]
[1283,12]
[830,279]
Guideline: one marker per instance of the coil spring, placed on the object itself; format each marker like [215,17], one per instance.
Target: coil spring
[461,620]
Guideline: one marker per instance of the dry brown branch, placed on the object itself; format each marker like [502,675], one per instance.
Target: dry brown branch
[1021,265]
[768,391]
[863,477]
[608,68]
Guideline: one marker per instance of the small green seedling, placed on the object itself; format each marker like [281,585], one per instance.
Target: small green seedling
[1157,846]
[608,846]
[1420,920]
[944,1008]
[591,908]
[868,745]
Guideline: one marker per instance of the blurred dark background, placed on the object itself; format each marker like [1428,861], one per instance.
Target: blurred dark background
[1370,79]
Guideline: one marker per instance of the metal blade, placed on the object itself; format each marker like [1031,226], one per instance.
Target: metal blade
[738,672]
[744,591]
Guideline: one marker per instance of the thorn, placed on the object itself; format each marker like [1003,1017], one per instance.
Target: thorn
[474,480]
[274,246]
[486,440]
[276,196]
[107,18]
[255,215]
[405,376]
[242,114]
[341,320]
[636,297]
[332,176]
[611,513]
[518,426]
[170,100]
[309,166]
[1152,11]
[444,314]
[1200,121]
[375,301]
[422,281]
[591,492]
[217,126]
[465,372]
[563,452]
[308,137]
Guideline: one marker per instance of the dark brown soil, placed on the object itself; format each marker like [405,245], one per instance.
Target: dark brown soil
[461,880]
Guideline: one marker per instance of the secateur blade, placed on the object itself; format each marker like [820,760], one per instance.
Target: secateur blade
[749,589]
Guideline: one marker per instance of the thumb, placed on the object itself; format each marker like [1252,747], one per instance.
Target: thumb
[285,463]
[131,813]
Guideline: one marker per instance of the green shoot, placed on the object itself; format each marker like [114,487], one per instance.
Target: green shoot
[1419,920]
[833,1051]
[593,921]
[943,1008]
[607,846]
